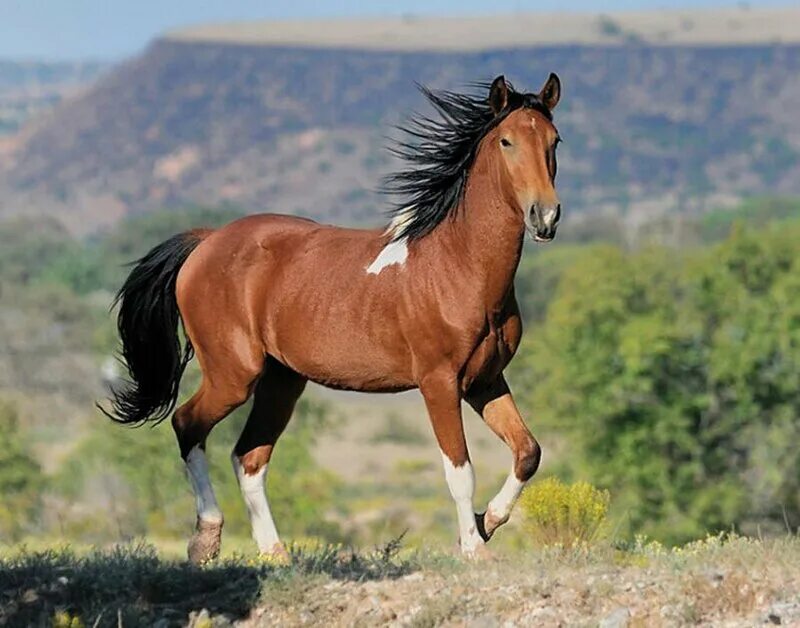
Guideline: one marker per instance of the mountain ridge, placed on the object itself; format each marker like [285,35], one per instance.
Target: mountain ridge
[647,129]
[719,26]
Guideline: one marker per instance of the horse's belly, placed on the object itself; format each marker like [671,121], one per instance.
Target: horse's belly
[353,360]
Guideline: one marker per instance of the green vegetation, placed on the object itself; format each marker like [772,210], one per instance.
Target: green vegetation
[674,376]
[21,478]
[751,214]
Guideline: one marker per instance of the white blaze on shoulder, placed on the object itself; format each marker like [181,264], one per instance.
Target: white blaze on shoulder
[461,482]
[502,503]
[253,489]
[395,252]
[197,466]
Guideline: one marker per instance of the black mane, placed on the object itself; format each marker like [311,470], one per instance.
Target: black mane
[440,153]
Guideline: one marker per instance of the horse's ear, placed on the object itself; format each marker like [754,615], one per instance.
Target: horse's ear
[551,92]
[498,94]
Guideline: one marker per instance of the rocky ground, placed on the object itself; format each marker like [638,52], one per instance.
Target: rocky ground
[712,583]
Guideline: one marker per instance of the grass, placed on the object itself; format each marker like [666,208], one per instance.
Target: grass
[725,579]
[133,586]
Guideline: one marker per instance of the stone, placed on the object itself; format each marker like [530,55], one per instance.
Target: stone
[618,618]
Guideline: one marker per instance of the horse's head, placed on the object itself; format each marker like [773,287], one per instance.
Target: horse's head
[526,141]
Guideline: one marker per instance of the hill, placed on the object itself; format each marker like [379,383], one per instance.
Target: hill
[689,116]
[30,87]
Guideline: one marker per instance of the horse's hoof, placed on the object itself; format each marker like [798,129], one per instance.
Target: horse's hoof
[277,554]
[477,553]
[487,523]
[474,548]
[480,524]
[205,542]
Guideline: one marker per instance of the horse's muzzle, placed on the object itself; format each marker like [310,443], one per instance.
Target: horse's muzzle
[542,222]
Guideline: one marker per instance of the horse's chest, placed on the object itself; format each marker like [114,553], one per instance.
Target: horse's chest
[494,351]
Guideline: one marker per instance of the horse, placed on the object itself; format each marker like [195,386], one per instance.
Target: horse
[269,302]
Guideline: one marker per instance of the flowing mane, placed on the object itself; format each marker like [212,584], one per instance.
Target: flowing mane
[439,153]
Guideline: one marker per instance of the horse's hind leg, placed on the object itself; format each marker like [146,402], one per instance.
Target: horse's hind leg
[496,405]
[274,399]
[192,422]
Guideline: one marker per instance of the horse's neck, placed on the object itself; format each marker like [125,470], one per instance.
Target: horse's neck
[487,232]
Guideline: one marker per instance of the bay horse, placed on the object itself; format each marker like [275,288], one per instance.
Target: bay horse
[270,301]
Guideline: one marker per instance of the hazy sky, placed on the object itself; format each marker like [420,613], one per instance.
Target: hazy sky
[111,29]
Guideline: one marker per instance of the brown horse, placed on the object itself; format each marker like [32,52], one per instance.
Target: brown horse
[269,302]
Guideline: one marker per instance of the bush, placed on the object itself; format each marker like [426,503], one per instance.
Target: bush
[563,515]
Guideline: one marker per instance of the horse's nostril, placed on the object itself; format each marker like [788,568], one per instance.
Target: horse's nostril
[558,214]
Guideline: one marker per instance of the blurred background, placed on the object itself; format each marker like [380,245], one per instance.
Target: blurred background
[662,350]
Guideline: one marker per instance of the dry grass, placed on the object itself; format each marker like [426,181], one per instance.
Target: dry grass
[731,581]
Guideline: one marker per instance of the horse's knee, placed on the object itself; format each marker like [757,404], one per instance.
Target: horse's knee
[527,460]
[189,432]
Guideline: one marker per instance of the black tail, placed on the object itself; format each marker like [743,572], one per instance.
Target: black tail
[148,328]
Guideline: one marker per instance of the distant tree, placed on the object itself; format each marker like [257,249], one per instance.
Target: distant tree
[538,276]
[28,246]
[101,262]
[21,478]
[677,379]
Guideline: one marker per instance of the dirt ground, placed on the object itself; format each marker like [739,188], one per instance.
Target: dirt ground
[718,581]
[710,583]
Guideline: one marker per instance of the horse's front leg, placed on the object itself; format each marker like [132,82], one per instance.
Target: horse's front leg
[443,400]
[496,405]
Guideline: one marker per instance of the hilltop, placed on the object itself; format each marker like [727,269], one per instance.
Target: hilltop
[685,110]
[719,26]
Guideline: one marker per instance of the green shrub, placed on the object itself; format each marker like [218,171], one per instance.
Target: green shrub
[564,515]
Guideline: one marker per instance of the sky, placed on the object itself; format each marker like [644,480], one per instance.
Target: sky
[110,30]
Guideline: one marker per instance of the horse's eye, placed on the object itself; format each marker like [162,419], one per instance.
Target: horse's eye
[504,143]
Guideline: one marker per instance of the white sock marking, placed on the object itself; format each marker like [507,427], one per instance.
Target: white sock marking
[393,253]
[502,503]
[461,481]
[197,466]
[253,489]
